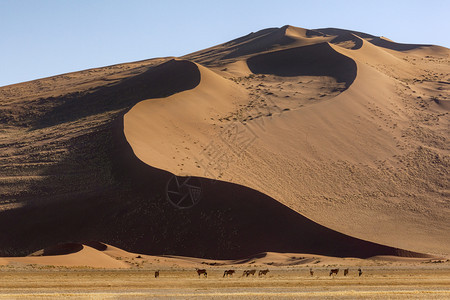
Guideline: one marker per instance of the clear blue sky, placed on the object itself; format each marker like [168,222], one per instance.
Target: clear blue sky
[41,38]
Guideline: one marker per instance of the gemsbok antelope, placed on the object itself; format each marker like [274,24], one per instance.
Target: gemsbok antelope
[249,272]
[202,271]
[334,271]
[228,273]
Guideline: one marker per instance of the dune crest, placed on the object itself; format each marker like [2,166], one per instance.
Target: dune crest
[186,111]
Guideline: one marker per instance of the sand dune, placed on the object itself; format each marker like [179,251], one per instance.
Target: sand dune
[104,256]
[67,255]
[311,141]
[328,142]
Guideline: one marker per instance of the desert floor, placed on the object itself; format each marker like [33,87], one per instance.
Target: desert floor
[377,282]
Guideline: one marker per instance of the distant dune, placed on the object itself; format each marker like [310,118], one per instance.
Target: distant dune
[323,142]
[67,255]
[103,256]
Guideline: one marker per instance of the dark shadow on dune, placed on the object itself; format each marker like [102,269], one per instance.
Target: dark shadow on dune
[96,245]
[160,81]
[313,33]
[395,46]
[59,249]
[313,60]
[377,41]
[65,205]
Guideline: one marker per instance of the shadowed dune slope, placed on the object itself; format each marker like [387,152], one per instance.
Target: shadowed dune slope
[60,249]
[314,60]
[160,81]
[376,40]
[96,245]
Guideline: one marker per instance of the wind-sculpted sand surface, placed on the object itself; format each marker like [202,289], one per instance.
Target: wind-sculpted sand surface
[326,142]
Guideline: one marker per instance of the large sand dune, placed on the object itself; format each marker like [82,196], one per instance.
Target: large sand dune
[324,141]
[345,150]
